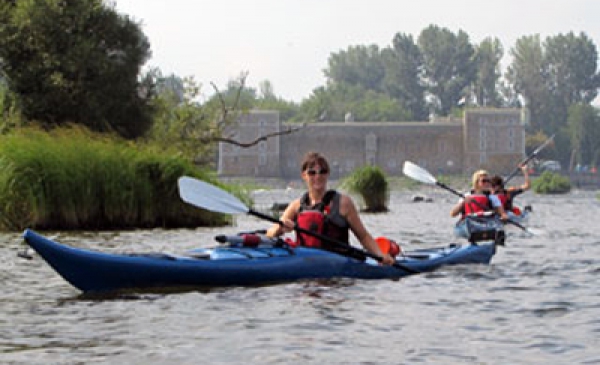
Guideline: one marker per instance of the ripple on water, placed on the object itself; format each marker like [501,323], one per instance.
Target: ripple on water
[536,303]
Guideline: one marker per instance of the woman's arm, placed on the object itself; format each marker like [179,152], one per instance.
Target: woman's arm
[458,208]
[527,183]
[349,211]
[288,216]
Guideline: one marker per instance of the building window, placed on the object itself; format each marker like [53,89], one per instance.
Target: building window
[511,139]
[441,146]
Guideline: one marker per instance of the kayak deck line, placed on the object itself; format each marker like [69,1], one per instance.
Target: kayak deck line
[234,265]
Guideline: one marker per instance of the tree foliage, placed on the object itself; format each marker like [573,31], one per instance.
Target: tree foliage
[356,66]
[584,129]
[487,63]
[553,75]
[193,128]
[71,61]
[67,61]
[551,183]
[449,66]
[403,64]
[343,101]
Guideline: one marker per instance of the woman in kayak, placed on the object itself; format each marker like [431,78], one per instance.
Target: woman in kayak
[506,195]
[478,202]
[327,212]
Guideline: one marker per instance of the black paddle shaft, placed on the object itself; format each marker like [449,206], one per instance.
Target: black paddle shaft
[528,158]
[340,247]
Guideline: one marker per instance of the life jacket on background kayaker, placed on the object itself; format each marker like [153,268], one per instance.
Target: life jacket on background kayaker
[506,198]
[323,218]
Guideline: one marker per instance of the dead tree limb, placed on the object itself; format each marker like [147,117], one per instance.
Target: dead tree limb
[288,130]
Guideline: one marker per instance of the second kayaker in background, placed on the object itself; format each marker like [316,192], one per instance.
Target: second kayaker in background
[324,211]
[507,194]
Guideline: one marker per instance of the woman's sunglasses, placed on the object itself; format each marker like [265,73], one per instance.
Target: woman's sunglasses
[484,180]
[312,172]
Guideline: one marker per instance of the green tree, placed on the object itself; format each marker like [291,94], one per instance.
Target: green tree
[573,76]
[448,64]
[358,65]
[584,129]
[403,72]
[317,107]
[487,60]
[336,101]
[552,76]
[76,61]
[180,120]
[527,74]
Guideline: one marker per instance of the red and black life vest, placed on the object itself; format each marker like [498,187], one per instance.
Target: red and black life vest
[505,200]
[324,218]
[481,204]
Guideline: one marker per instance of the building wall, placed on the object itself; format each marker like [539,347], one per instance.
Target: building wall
[488,138]
[494,139]
[261,159]
[348,146]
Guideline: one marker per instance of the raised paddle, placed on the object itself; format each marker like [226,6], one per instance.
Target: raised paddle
[206,196]
[529,158]
[420,174]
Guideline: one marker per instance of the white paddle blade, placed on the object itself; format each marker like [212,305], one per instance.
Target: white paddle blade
[209,197]
[416,172]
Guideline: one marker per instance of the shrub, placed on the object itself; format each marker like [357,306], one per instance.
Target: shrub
[551,183]
[371,184]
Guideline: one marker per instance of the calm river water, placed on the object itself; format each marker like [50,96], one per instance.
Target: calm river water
[537,303]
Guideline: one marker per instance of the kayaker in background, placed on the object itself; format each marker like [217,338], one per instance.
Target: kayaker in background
[479,201]
[506,195]
[328,212]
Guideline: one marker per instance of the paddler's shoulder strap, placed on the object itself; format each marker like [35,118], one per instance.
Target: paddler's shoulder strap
[328,197]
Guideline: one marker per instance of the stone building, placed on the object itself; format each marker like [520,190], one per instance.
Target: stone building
[485,138]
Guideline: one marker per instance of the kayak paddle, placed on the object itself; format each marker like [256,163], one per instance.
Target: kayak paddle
[206,196]
[529,158]
[420,174]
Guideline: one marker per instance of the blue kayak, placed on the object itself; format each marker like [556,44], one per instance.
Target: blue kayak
[233,264]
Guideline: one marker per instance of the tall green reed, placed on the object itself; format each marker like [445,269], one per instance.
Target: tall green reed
[70,178]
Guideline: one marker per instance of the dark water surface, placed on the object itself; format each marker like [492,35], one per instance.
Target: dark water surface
[538,303]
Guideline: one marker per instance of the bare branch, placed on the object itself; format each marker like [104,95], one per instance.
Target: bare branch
[289,130]
[224,109]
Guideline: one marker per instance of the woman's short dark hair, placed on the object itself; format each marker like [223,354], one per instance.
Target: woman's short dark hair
[497,181]
[314,158]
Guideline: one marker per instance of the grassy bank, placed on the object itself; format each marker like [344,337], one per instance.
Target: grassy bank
[73,179]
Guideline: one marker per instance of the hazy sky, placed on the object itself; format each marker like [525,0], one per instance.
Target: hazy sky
[288,42]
